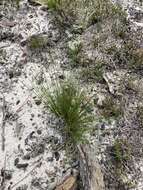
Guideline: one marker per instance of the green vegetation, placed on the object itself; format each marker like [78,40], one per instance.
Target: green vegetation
[103,9]
[63,8]
[121,151]
[70,104]
[74,53]
[119,28]
[121,155]
[37,42]
[93,73]
[85,12]
[52,4]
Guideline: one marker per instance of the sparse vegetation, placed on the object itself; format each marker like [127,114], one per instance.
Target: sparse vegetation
[37,42]
[121,151]
[140,115]
[74,53]
[110,109]
[137,59]
[102,47]
[93,73]
[70,104]
[85,13]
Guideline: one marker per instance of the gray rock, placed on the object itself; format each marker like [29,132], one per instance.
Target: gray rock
[22,166]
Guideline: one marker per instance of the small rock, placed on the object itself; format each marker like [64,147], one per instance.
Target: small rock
[18,73]
[20,36]
[22,166]
[103,126]
[61,77]
[11,74]
[38,102]
[26,157]
[18,101]
[23,43]
[57,155]
[32,115]
[39,132]
[30,16]
[16,161]
[56,140]
[50,159]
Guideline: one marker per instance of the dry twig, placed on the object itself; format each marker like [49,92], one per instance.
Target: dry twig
[3,123]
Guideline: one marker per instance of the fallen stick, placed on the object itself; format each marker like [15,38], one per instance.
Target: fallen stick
[90,171]
[3,124]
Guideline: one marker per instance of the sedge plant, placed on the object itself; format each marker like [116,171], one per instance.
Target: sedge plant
[70,104]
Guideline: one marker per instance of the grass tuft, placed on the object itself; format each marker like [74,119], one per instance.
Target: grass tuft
[37,42]
[121,151]
[70,104]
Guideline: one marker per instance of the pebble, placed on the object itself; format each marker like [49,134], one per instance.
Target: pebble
[39,132]
[38,102]
[16,161]
[57,155]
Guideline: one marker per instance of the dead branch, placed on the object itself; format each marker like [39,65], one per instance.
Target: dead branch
[3,123]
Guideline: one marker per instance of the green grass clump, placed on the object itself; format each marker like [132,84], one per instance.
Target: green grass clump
[69,103]
[37,42]
[74,53]
[121,151]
